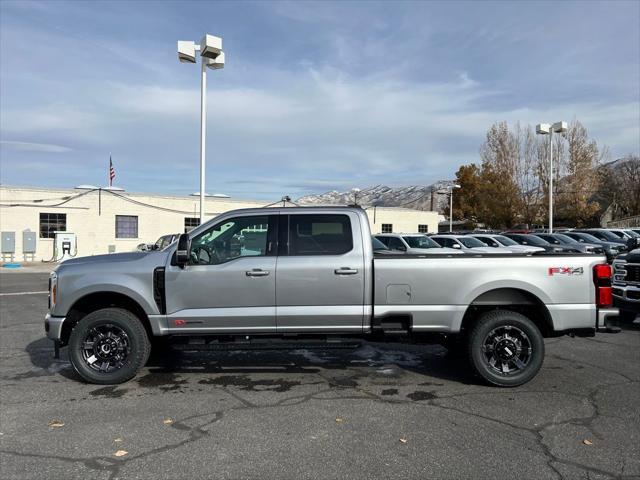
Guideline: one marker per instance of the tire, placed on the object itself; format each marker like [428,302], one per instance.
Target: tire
[503,337]
[113,337]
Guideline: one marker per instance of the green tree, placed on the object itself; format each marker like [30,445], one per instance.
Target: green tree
[466,199]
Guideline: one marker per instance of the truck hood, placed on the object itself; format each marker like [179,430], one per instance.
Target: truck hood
[434,251]
[524,248]
[495,250]
[108,258]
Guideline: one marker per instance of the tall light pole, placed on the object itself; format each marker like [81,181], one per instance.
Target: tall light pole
[547,129]
[449,190]
[212,56]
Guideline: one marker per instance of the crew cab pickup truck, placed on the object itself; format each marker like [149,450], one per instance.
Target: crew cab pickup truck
[279,276]
[626,284]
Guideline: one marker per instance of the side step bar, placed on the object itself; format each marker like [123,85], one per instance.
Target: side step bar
[261,343]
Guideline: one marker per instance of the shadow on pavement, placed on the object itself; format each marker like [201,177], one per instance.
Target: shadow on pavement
[428,360]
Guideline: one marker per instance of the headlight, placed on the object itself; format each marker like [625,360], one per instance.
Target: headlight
[53,289]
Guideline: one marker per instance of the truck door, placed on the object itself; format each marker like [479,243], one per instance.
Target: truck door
[320,273]
[229,284]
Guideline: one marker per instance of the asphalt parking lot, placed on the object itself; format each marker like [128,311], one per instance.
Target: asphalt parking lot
[380,411]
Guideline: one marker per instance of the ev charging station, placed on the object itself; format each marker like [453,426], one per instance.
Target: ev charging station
[64,246]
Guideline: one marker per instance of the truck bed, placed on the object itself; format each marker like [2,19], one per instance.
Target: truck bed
[435,291]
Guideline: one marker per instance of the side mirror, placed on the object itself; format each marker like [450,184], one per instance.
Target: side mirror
[457,245]
[402,248]
[182,252]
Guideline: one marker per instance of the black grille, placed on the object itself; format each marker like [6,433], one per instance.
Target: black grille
[158,289]
[633,273]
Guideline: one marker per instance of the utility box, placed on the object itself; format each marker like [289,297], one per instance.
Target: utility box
[28,241]
[8,243]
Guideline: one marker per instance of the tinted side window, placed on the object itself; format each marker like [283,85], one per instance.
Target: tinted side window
[384,240]
[319,234]
[395,244]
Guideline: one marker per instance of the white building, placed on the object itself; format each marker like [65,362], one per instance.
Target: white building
[105,221]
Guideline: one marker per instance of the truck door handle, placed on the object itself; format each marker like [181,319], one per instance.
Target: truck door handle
[345,271]
[257,272]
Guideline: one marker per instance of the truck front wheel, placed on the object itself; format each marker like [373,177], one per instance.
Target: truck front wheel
[109,346]
[506,348]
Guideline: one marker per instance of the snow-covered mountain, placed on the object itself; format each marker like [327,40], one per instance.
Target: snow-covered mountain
[415,196]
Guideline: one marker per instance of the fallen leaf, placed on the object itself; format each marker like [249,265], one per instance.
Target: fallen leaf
[56,423]
[117,440]
[120,453]
[339,420]
[587,442]
[403,440]
[167,421]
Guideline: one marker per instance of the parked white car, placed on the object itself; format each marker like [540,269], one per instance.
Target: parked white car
[415,243]
[500,241]
[468,244]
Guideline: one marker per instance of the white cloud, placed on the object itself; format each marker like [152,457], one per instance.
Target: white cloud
[318,127]
[34,147]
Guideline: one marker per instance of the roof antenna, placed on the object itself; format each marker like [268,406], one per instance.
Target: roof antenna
[287,199]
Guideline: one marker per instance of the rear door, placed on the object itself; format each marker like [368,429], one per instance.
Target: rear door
[320,275]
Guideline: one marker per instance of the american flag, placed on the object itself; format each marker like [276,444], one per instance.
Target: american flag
[112,172]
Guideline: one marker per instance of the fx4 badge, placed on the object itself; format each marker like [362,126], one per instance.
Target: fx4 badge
[565,271]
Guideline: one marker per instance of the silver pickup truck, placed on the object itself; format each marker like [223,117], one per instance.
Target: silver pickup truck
[279,276]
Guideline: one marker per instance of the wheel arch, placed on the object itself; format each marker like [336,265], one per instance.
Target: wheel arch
[514,299]
[98,300]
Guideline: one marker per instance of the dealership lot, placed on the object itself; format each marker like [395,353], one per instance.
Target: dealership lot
[394,411]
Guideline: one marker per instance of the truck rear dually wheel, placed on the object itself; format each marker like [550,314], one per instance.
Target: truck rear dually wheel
[506,348]
[109,346]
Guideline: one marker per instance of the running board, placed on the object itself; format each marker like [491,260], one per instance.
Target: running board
[257,343]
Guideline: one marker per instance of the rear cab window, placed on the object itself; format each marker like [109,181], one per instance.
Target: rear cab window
[319,234]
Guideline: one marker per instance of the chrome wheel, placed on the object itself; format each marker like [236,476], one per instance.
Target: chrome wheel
[507,350]
[105,348]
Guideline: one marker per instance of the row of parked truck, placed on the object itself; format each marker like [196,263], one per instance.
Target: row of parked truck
[606,242]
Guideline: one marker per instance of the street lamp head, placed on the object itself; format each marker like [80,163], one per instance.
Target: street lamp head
[215,63]
[456,186]
[210,46]
[543,128]
[186,51]
[560,127]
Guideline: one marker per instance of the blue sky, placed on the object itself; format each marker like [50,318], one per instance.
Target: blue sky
[314,96]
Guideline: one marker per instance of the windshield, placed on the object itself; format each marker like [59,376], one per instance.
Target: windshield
[378,245]
[471,242]
[505,240]
[533,240]
[619,234]
[608,235]
[632,234]
[585,237]
[420,242]
[564,238]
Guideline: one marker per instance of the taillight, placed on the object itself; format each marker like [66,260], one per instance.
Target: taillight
[602,280]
